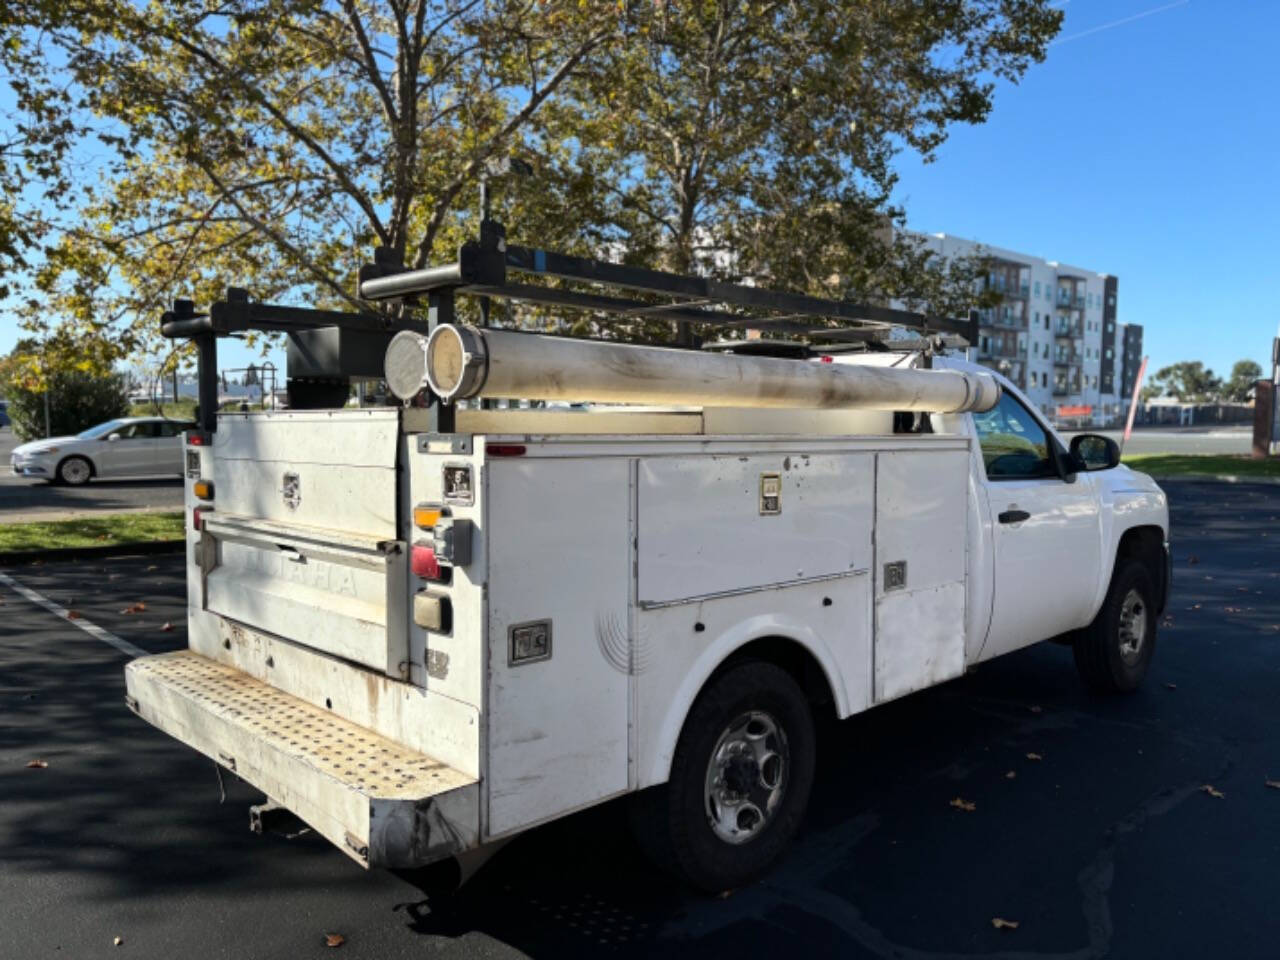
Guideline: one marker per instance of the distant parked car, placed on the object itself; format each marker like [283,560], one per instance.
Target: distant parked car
[128,447]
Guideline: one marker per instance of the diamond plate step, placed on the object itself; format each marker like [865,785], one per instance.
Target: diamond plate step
[380,802]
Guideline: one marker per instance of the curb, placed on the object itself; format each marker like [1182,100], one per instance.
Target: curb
[1209,478]
[143,549]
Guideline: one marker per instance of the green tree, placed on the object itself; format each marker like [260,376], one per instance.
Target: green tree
[756,139]
[273,143]
[1188,381]
[1239,386]
[75,375]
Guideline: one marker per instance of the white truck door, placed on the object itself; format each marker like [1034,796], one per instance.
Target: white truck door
[1045,532]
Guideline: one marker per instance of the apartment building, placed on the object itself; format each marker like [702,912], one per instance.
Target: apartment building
[1054,333]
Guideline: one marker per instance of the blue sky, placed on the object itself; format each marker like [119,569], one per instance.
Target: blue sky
[1147,145]
[1149,149]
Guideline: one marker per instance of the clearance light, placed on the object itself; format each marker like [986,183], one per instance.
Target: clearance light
[196,519]
[203,489]
[426,515]
[423,562]
[504,449]
[197,440]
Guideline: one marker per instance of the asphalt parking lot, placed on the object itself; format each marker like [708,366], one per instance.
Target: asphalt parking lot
[1109,844]
[24,498]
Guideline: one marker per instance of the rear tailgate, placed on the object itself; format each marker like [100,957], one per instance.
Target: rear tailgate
[302,541]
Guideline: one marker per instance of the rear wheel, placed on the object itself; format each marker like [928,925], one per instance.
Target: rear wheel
[739,781]
[1114,652]
[74,471]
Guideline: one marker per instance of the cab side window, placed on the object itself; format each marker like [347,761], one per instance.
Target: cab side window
[1013,445]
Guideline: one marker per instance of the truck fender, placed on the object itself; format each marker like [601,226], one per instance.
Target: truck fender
[657,767]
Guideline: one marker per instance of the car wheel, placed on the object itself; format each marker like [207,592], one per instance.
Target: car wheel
[1114,652]
[739,780]
[74,471]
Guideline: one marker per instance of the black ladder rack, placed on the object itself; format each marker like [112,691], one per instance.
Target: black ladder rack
[490,268]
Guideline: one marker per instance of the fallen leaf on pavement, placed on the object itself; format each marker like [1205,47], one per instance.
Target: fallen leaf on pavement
[1273,784]
[138,607]
[1213,791]
[1011,775]
[37,764]
[334,939]
[1171,686]
[118,941]
[1034,756]
[73,614]
[1000,923]
[152,567]
[961,804]
[167,627]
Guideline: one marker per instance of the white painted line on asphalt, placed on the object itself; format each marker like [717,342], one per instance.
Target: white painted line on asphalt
[92,629]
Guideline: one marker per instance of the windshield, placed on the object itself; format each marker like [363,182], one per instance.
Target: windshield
[101,430]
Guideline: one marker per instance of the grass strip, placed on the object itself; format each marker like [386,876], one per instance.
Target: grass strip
[1203,465]
[91,531]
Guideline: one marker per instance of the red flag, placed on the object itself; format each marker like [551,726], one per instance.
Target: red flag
[1133,403]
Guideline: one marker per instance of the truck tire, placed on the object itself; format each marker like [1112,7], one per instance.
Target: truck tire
[1113,653]
[739,781]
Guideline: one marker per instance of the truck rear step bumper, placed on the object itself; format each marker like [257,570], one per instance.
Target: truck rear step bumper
[379,802]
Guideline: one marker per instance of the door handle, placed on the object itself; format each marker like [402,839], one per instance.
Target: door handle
[1014,516]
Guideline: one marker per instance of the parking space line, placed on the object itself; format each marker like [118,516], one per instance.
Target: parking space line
[95,631]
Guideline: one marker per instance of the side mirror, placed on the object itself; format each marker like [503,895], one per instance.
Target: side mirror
[113,437]
[1095,452]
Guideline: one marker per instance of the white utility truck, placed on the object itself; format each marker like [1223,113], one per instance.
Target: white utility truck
[424,628]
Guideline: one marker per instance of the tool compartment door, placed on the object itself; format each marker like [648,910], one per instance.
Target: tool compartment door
[921,521]
[342,594]
[301,542]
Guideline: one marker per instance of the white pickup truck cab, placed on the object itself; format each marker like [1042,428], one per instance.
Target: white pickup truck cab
[424,643]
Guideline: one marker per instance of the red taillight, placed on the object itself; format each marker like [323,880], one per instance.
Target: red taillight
[196,440]
[504,449]
[195,518]
[423,562]
[827,358]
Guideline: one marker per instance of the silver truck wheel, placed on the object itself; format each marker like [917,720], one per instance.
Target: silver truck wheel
[1113,653]
[746,776]
[739,780]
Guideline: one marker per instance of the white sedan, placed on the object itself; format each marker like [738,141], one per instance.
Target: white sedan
[128,447]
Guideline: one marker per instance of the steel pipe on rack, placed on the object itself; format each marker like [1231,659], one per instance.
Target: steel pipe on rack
[461,362]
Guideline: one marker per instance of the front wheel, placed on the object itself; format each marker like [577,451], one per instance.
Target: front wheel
[739,781]
[1114,652]
[74,471]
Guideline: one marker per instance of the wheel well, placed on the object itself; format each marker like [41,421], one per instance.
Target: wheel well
[792,657]
[1145,544]
[93,468]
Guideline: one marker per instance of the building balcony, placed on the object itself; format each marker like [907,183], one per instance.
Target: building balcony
[1070,331]
[1066,359]
[1069,302]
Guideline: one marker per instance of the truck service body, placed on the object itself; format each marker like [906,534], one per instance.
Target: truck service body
[423,641]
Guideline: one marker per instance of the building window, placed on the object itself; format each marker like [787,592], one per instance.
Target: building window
[1037,288]
[1046,321]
